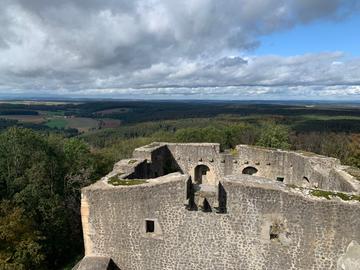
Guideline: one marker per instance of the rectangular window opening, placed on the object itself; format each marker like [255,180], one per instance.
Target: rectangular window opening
[280,179]
[150,226]
[274,236]
[273,233]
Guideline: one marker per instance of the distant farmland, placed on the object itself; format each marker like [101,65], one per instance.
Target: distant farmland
[35,119]
[54,120]
[83,124]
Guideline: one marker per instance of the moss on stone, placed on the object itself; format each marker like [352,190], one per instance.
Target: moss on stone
[234,152]
[117,181]
[126,182]
[293,186]
[307,154]
[330,194]
[152,145]
[132,161]
[263,147]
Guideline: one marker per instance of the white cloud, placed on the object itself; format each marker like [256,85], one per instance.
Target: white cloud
[166,47]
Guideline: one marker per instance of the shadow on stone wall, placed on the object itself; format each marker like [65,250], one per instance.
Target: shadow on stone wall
[162,163]
[96,263]
[222,197]
[113,266]
[216,199]
[190,196]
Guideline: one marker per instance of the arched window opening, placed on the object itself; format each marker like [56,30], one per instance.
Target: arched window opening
[200,173]
[249,170]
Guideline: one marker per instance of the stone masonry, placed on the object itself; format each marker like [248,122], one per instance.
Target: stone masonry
[191,206]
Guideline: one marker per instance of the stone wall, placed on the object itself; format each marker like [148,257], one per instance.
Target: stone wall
[267,226]
[313,232]
[234,221]
[185,157]
[294,168]
[189,156]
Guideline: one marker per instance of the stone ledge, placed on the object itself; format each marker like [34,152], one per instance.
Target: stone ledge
[267,184]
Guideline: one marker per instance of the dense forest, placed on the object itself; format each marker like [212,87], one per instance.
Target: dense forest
[43,168]
[40,178]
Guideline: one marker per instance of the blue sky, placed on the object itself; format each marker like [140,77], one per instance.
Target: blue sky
[189,49]
[319,36]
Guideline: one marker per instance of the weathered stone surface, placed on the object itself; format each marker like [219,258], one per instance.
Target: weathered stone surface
[351,259]
[297,168]
[255,222]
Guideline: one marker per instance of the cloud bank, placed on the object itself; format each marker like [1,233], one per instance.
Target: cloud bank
[167,48]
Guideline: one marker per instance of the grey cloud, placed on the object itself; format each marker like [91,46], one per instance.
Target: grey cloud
[308,10]
[229,62]
[75,46]
[3,44]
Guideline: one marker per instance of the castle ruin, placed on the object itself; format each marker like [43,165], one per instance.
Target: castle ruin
[191,206]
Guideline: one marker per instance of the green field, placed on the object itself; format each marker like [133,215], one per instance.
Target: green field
[80,123]
[59,123]
[328,117]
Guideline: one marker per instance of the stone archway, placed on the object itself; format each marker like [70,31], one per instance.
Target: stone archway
[249,170]
[201,174]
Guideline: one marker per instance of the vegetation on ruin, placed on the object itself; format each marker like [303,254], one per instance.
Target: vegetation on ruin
[306,153]
[327,194]
[234,152]
[132,161]
[331,194]
[151,145]
[43,166]
[293,186]
[115,181]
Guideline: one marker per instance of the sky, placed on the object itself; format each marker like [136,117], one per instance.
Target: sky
[188,49]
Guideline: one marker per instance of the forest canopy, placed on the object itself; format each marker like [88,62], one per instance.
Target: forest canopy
[40,178]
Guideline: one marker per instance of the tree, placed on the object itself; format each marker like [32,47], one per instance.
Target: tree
[274,136]
[335,145]
[19,241]
[240,134]
[42,175]
[207,134]
[354,149]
